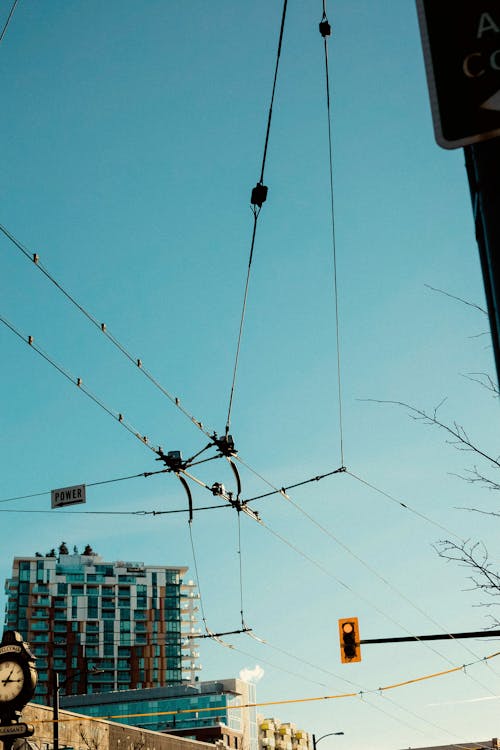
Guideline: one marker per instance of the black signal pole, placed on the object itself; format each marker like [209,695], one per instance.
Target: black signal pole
[434,637]
[482,161]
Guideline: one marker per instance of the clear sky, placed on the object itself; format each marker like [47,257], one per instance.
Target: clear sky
[131,136]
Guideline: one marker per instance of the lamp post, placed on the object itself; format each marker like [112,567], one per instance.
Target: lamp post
[56,686]
[315,741]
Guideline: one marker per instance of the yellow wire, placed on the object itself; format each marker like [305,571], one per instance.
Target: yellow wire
[272,703]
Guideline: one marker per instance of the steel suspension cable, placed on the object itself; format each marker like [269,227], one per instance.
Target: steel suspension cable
[34,257]
[2,33]
[118,416]
[256,207]
[190,525]
[332,214]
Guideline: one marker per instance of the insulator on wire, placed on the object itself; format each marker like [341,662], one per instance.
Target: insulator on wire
[259,195]
[324,28]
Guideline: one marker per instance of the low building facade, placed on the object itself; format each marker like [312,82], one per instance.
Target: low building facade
[277,735]
[77,732]
[205,711]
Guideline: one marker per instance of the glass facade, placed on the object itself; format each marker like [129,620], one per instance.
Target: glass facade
[183,709]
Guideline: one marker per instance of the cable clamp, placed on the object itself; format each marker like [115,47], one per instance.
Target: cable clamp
[259,195]
[324,27]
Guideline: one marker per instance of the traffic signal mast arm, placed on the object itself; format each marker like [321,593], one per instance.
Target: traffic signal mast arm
[436,637]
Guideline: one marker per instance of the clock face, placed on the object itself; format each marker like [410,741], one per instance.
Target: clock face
[11,680]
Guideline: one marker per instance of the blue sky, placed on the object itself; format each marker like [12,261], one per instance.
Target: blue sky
[131,138]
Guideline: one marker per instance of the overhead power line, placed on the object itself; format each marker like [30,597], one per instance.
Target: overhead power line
[258,197]
[325,31]
[78,382]
[288,701]
[136,361]
[2,33]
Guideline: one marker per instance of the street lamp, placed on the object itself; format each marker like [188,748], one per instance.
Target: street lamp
[315,741]
[56,686]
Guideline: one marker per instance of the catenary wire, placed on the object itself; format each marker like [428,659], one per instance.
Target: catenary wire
[404,505]
[341,470]
[34,258]
[334,243]
[87,484]
[78,383]
[240,559]
[394,686]
[190,525]
[2,33]
[368,601]
[116,512]
[371,569]
[256,213]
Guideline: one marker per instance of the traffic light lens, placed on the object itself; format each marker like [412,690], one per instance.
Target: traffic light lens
[347,628]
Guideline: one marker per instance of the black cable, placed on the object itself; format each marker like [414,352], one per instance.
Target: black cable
[197,577]
[103,328]
[2,34]
[256,212]
[241,571]
[334,244]
[297,484]
[87,484]
[118,416]
[115,512]
[270,114]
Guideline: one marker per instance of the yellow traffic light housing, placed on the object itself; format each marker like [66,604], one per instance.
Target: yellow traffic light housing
[350,648]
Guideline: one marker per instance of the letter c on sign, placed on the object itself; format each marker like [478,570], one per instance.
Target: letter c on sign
[495,59]
[470,73]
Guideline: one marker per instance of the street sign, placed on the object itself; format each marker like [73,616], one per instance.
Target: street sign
[461,44]
[68,496]
[17,730]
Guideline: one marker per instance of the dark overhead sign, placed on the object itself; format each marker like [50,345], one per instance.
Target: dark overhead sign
[461,43]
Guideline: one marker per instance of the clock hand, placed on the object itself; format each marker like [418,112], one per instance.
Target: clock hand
[8,678]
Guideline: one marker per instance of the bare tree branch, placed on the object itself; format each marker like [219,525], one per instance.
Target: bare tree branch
[484,380]
[472,555]
[461,438]
[459,299]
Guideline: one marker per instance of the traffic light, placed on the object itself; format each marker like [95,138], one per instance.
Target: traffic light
[350,649]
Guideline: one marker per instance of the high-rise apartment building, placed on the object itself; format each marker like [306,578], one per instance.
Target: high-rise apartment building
[103,625]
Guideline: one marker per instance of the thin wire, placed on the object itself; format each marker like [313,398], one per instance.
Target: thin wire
[144,474]
[340,470]
[241,570]
[34,258]
[290,655]
[197,577]
[385,697]
[2,34]
[357,594]
[404,505]
[334,244]
[242,320]
[317,478]
[382,578]
[79,384]
[270,114]
[256,213]
[114,512]
[312,699]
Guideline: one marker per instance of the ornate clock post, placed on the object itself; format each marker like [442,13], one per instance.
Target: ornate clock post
[17,686]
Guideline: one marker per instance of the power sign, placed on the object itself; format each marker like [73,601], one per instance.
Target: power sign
[461,43]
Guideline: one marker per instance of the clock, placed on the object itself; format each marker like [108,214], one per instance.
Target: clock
[18,675]
[11,680]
